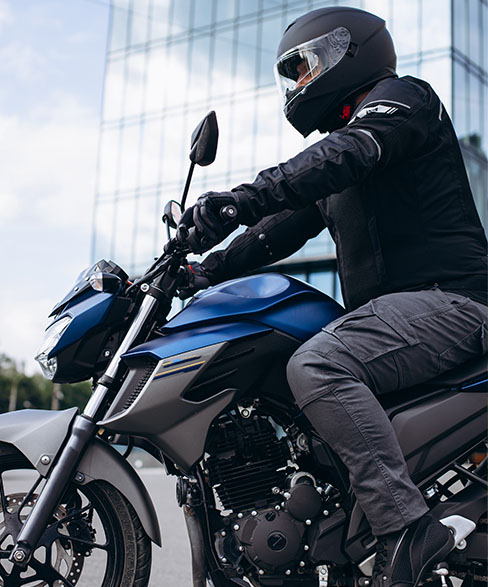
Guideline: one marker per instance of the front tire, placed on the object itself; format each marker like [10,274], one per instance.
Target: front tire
[94,538]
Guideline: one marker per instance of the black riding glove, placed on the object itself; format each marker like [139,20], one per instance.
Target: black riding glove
[206,216]
[198,278]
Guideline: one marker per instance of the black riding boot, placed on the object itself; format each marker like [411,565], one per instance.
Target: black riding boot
[403,557]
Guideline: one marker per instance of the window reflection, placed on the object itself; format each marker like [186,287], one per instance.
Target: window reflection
[134,84]
[124,215]
[474,26]
[159,19]
[406,32]
[460,101]
[108,162]
[103,229]
[460,20]
[139,22]
[438,73]
[118,25]
[114,89]
[181,16]
[130,149]
[323,280]
[245,72]
[199,76]
[271,31]
[225,9]
[221,74]
[436,24]
[155,79]
[203,11]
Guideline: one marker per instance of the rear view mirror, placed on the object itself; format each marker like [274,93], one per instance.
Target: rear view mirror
[204,141]
[172,214]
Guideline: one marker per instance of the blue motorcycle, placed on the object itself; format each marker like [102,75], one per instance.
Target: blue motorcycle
[266,501]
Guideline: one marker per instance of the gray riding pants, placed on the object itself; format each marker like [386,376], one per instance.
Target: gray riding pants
[392,342]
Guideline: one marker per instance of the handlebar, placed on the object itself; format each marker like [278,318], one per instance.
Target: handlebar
[177,248]
[228,213]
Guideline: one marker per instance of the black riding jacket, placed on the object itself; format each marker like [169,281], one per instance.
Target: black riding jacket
[391,186]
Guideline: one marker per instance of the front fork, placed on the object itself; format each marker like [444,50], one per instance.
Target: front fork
[83,431]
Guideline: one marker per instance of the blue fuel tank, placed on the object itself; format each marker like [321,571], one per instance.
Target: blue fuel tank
[270,299]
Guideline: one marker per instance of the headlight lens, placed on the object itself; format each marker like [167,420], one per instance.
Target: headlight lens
[50,340]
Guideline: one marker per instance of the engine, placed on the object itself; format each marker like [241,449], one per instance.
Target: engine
[274,515]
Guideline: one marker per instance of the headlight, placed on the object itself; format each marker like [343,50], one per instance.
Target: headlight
[50,340]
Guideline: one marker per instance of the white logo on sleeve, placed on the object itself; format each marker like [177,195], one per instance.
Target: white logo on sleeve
[380,108]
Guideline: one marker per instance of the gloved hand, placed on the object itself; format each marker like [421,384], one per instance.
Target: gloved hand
[205,216]
[198,279]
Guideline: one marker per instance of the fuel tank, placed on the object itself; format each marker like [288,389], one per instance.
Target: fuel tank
[230,341]
[272,299]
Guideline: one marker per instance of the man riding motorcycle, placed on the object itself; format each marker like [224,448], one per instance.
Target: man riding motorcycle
[389,183]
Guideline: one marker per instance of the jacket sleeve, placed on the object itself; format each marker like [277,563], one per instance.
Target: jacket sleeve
[390,125]
[274,238]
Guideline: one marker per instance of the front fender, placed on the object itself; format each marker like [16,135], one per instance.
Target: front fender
[37,434]
[40,433]
[104,463]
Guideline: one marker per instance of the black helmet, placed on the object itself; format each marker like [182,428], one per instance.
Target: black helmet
[326,57]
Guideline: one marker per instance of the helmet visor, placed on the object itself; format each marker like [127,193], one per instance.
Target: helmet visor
[300,66]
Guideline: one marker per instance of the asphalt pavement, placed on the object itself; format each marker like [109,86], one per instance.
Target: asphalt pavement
[172,563]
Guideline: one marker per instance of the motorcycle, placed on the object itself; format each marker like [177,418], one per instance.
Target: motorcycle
[265,500]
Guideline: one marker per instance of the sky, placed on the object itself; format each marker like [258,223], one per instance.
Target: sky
[52,58]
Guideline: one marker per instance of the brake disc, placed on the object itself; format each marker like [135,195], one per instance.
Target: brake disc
[64,558]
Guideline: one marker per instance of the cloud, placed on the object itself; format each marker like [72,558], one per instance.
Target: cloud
[47,160]
[47,166]
[6,16]
[9,206]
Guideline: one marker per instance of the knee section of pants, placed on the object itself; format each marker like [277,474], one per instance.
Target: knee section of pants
[311,367]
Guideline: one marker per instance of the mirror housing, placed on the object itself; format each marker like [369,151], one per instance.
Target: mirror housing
[172,214]
[204,141]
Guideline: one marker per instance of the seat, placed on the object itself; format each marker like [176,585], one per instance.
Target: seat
[471,376]
[464,375]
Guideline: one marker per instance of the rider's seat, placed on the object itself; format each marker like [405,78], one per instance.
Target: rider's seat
[468,376]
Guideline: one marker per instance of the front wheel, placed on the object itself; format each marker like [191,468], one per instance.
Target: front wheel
[94,538]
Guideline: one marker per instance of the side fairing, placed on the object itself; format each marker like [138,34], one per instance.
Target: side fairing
[152,405]
[178,384]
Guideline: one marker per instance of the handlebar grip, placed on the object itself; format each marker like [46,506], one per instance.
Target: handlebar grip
[228,213]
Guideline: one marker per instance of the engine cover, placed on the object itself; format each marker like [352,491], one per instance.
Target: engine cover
[271,539]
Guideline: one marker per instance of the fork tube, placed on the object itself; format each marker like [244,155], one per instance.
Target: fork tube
[84,428]
[98,395]
[41,513]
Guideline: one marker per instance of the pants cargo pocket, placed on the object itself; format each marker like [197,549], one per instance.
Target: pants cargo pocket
[373,330]
[375,333]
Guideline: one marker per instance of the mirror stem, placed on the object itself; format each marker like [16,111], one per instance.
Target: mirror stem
[187,186]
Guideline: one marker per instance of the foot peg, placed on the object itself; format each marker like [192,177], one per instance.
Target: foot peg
[441,570]
[461,528]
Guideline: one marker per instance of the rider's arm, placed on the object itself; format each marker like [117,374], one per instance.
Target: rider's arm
[392,123]
[273,238]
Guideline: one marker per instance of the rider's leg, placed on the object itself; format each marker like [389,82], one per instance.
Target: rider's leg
[392,342]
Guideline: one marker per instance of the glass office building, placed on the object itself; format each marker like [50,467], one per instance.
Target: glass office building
[171,61]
